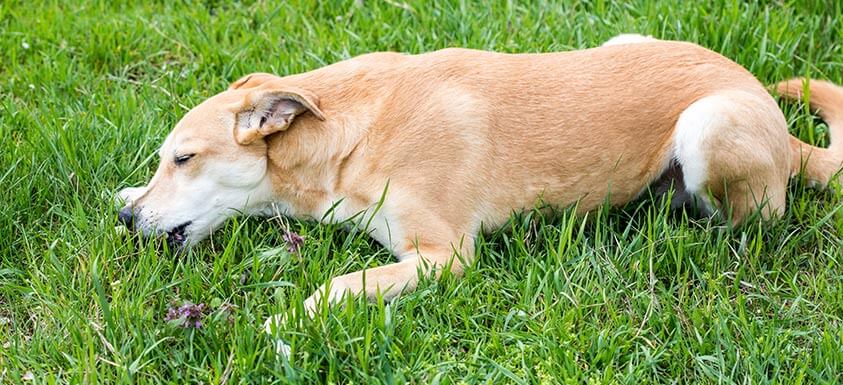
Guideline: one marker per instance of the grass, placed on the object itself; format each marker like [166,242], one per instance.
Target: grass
[89,89]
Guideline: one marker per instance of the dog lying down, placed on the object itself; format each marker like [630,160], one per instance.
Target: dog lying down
[430,149]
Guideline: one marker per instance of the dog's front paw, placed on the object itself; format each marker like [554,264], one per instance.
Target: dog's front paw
[282,349]
[272,324]
[338,289]
[311,304]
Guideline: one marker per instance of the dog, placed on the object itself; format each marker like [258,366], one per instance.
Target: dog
[426,151]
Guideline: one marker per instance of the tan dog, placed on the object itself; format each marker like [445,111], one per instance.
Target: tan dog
[428,150]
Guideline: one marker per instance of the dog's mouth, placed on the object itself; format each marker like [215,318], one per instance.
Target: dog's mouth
[176,237]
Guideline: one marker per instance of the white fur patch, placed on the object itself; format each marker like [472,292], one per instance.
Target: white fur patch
[700,120]
[629,38]
[128,196]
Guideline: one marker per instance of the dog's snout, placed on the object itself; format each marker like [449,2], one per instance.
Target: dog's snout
[126,216]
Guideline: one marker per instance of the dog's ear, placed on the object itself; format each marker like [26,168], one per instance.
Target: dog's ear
[270,108]
[252,80]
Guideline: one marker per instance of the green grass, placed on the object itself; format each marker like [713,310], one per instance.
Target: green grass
[89,89]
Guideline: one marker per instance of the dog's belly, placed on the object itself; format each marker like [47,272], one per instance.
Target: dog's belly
[669,185]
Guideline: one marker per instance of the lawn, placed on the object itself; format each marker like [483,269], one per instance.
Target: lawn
[638,294]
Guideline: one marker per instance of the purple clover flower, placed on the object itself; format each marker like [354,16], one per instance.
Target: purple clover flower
[294,241]
[189,315]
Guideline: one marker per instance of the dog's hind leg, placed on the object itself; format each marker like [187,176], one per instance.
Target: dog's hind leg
[734,152]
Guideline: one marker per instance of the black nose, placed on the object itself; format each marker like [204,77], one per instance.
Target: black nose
[126,216]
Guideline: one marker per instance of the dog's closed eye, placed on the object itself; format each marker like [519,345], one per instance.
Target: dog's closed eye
[181,159]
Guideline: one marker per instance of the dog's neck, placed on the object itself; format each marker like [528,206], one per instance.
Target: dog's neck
[313,164]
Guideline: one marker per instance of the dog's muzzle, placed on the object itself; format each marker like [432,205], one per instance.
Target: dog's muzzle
[175,237]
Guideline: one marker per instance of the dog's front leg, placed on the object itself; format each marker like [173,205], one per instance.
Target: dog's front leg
[389,281]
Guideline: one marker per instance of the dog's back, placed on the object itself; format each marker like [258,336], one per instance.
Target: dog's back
[560,127]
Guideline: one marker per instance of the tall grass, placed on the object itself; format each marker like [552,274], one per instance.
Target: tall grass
[638,294]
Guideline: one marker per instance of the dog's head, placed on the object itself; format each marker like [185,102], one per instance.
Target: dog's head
[214,164]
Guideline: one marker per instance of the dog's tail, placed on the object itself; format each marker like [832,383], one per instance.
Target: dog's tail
[819,165]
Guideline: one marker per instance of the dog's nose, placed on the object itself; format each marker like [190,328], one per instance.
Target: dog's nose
[126,216]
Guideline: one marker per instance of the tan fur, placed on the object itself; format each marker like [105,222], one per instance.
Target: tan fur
[457,140]
[819,165]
